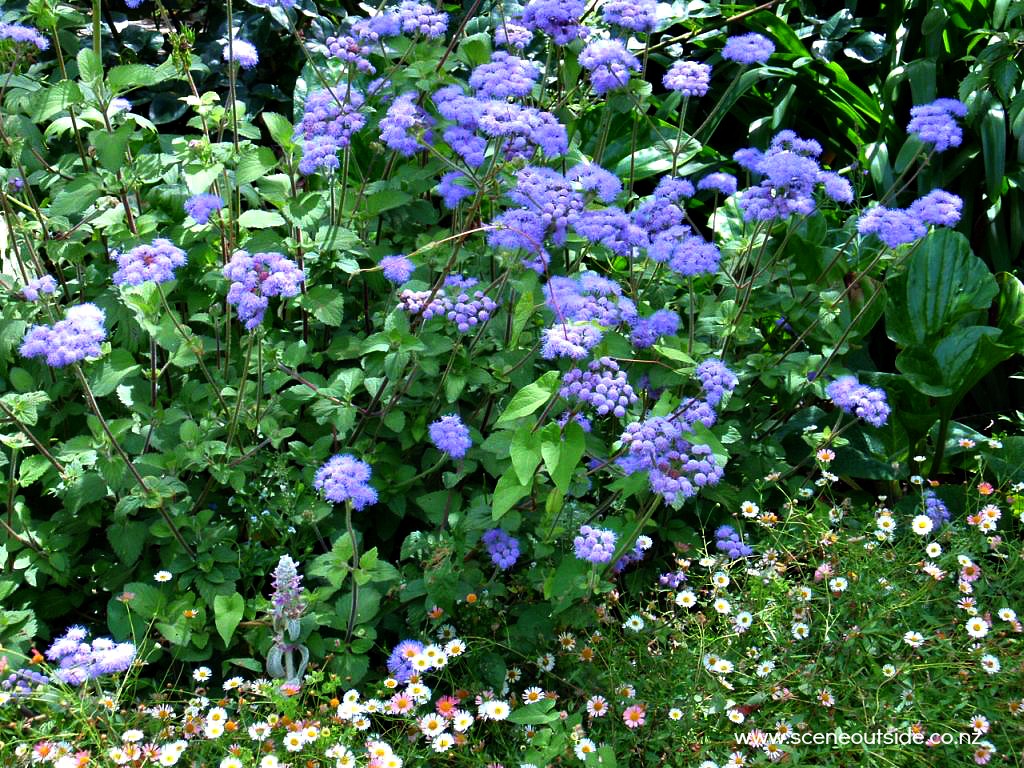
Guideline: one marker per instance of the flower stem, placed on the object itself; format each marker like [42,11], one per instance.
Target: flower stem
[354,567]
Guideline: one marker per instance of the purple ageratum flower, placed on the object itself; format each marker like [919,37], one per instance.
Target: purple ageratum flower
[603,386]
[400,126]
[595,545]
[328,121]
[612,228]
[656,216]
[647,330]
[572,340]
[588,297]
[724,183]
[449,435]
[938,207]
[893,226]
[453,188]
[688,77]
[864,402]
[716,380]
[836,187]
[635,555]
[133,4]
[148,263]
[287,585]
[467,145]
[579,418]
[200,207]
[635,15]
[242,52]
[40,286]
[453,104]
[344,478]
[558,18]
[352,51]
[256,277]
[397,269]
[550,198]
[729,542]
[400,660]
[504,76]
[80,661]
[77,337]
[375,28]
[512,34]
[524,129]
[609,64]
[936,509]
[593,178]
[672,189]
[466,313]
[751,48]
[421,19]
[685,253]
[503,549]
[20,33]
[936,123]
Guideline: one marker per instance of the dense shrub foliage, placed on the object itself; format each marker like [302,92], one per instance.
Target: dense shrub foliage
[385,348]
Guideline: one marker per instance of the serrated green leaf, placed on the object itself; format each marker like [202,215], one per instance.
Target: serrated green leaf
[254,163]
[256,219]
[325,303]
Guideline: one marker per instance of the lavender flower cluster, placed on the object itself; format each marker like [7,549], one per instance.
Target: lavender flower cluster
[899,226]
[731,544]
[936,124]
[449,435]
[77,337]
[329,118]
[603,386]
[595,545]
[20,33]
[634,15]
[201,207]
[400,660]
[635,555]
[148,263]
[936,509]
[465,311]
[609,65]
[344,478]
[287,585]
[716,380]
[503,548]
[80,661]
[256,277]
[864,402]
[45,285]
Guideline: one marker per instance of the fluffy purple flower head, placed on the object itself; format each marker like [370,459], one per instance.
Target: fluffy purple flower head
[893,226]
[287,584]
[40,286]
[243,52]
[647,330]
[344,478]
[421,19]
[397,269]
[595,545]
[133,4]
[449,435]
[673,189]
[558,18]
[512,34]
[936,123]
[285,4]
[751,48]
[373,28]
[256,277]
[938,207]
[716,380]
[80,661]
[724,183]
[550,198]
[148,263]
[400,660]
[351,50]
[579,418]
[466,313]
[676,467]
[593,178]
[689,78]
[77,337]
[612,228]
[609,64]
[419,303]
[603,386]
[504,76]
[572,340]
[860,400]
[401,127]
[328,121]
[729,542]
[525,130]
[201,207]
[503,549]
[685,253]
[936,509]
[20,33]
[635,15]
[836,187]
[467,145]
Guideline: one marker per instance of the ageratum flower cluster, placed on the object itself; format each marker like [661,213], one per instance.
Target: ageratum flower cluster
[329,119]
[595,545]
[603,386]
[80,661]
[465,311]
[449,435]
[344,478]
[256,277]
[609,65]
[731,544]
[898,226]
[936,509]
[503,548]
[864,402]
[148,263]
[201,207]
[77,337]
[39,286]
[936,123]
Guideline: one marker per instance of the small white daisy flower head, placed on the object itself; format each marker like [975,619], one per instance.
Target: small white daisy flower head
[765,668]
[706,562]
[916,480]
[202,674]
[800,630]
[644,542]
[230,762]
[736,716]
[744,619]
[634,623]
[749,509]
[270,761]
[885,523]
[922,525]
[443,742]
[838,584]
[720,579]
[584,747]
[934,549]
[1008,614]
[724,667]
[675,714]
[913,639]
[990,664]
[803,593]
[686,599]
[722,606]
[888,670]
[708,764]
[163,576]
[976,627]
[495,710]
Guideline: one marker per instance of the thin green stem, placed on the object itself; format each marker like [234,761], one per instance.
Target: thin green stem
[355,566]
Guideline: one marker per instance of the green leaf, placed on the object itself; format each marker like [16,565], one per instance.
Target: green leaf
[260,219]
[307,210]
[530,398]
[124,77]
[127,540]
[507,492]
[325,303]
[77,195]
[227,613]
[90,68]
[525,452]
[993,150]
[562,452]
[22,380]
[111,371]
[385,200]
[281,131]
[254,163]
[57,98]
[110,146]
[31,469]
[534,714]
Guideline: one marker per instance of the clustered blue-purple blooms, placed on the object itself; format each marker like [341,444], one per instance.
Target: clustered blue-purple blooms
[503,548]
[449,435]
[609,65]
[504,76]
[716,380]
[690,78]
[242,52]
[864,402]
[23,682]
[635,15]
[685,253]
[20,33]
[898,226]
[511,34]
[724,183]
[558,18]
[936,124]
[348,49]
[201,207]
[397,268]
[635,555]
[603,386]
[464,311]
[39,286]
[287,585]
[329,118]
[579,418]
[672,579]
[728,542]
[75,338]
[344,478]
[153,263]
[80,661]
[273,3]
[750,48]
[595,545]
[400,660]
[593,178]
[936,509]
[405,127]
[647,330]
[454,187]
[256,277]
